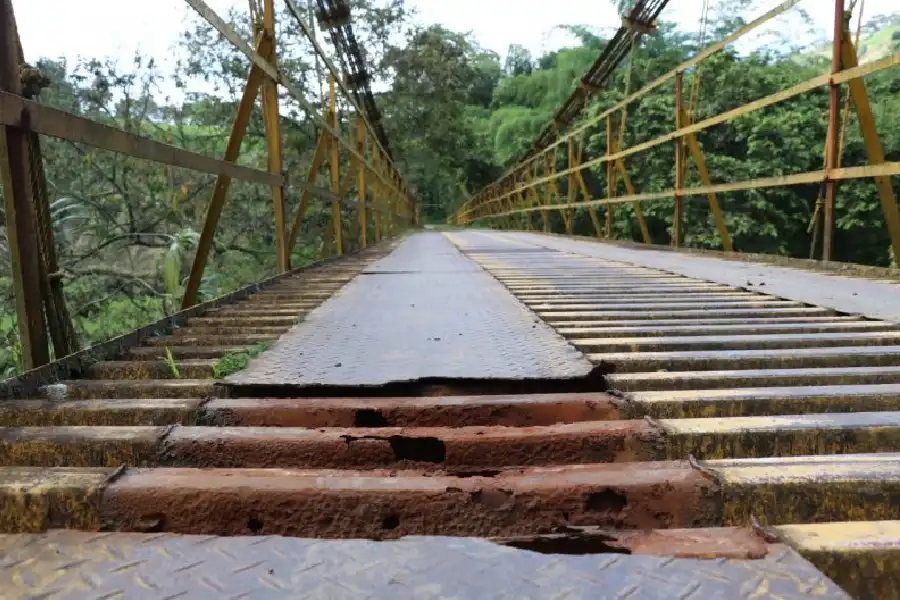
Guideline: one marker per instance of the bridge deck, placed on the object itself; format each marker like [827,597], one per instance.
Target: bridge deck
[424,311]
[274,568]
[730,425]
[851,295]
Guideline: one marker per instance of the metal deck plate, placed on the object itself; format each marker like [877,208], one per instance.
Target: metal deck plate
[391,324]
[850,295]
[74,565]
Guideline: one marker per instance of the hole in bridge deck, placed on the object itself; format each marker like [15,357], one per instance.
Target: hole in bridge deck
[369,417]
[255,524]
[605,501]
[594,381]
[419,449]
[568,543]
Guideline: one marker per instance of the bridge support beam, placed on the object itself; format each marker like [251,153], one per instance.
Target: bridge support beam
[335,169]
[273,137]
[20,220]
[678,217]
[874,150]
[361,183]
[376,193]
[610,176]
[223,182]
[833,141]
[592,210]
[317,162]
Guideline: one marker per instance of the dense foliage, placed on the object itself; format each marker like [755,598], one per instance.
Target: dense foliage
[456,114]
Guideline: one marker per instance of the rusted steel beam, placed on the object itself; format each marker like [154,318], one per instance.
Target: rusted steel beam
[335,16]
[833,141]
[317,161]
[540,148]
[678,219]
[874,150]
[292,87]
[29,115]
[847,75]
[610,175]
[888,169]
[335,169]
[223,181]
[274,142]
[361,184]
[15,173]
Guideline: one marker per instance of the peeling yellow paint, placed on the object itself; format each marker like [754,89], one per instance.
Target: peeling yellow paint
[36,499]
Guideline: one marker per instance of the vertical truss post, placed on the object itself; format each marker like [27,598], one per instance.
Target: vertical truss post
[515,220]
[610,175]
[523,201]
[554,185]
[545,214]
[571,189]
[334,164]
[632,191]
[592,210]
[361,183]
[626,178]
[833,140]
[696,152]
[678,219]
[21,234]
[376,188]
[531,195]
[59,321]
[223,182]
[874,150]
[303,206]
[273,137]
[391,204]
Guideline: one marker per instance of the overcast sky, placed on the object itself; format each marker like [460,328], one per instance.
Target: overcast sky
[98,28]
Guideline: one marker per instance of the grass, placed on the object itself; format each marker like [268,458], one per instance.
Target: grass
[173,366]
[237,361]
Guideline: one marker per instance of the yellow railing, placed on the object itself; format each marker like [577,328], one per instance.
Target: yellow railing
[512,199]
[380,191]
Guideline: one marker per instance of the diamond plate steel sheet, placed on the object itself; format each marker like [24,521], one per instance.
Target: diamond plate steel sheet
[851,295]
[424,311]
[70,566]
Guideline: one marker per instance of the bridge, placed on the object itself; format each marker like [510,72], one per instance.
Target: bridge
[492,407]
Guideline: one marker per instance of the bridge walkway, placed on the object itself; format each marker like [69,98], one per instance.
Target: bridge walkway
[473,414]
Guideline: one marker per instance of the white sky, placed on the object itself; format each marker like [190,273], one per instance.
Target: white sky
[98,28]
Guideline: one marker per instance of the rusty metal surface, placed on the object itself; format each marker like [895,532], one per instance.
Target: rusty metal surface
[69,566]
[852,295]
[424,311]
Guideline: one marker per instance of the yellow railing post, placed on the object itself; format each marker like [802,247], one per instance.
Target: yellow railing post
[678,218]
[317,162]
[335,167]
[361,183]
[223,182]
[693,147]
[376,191]
[21,233]
[833,139]
[592,210]
[872,143]
[571,189]
[610,176]
[273,137]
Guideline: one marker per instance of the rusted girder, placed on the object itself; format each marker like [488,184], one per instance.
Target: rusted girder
[641,20]
[334,15]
